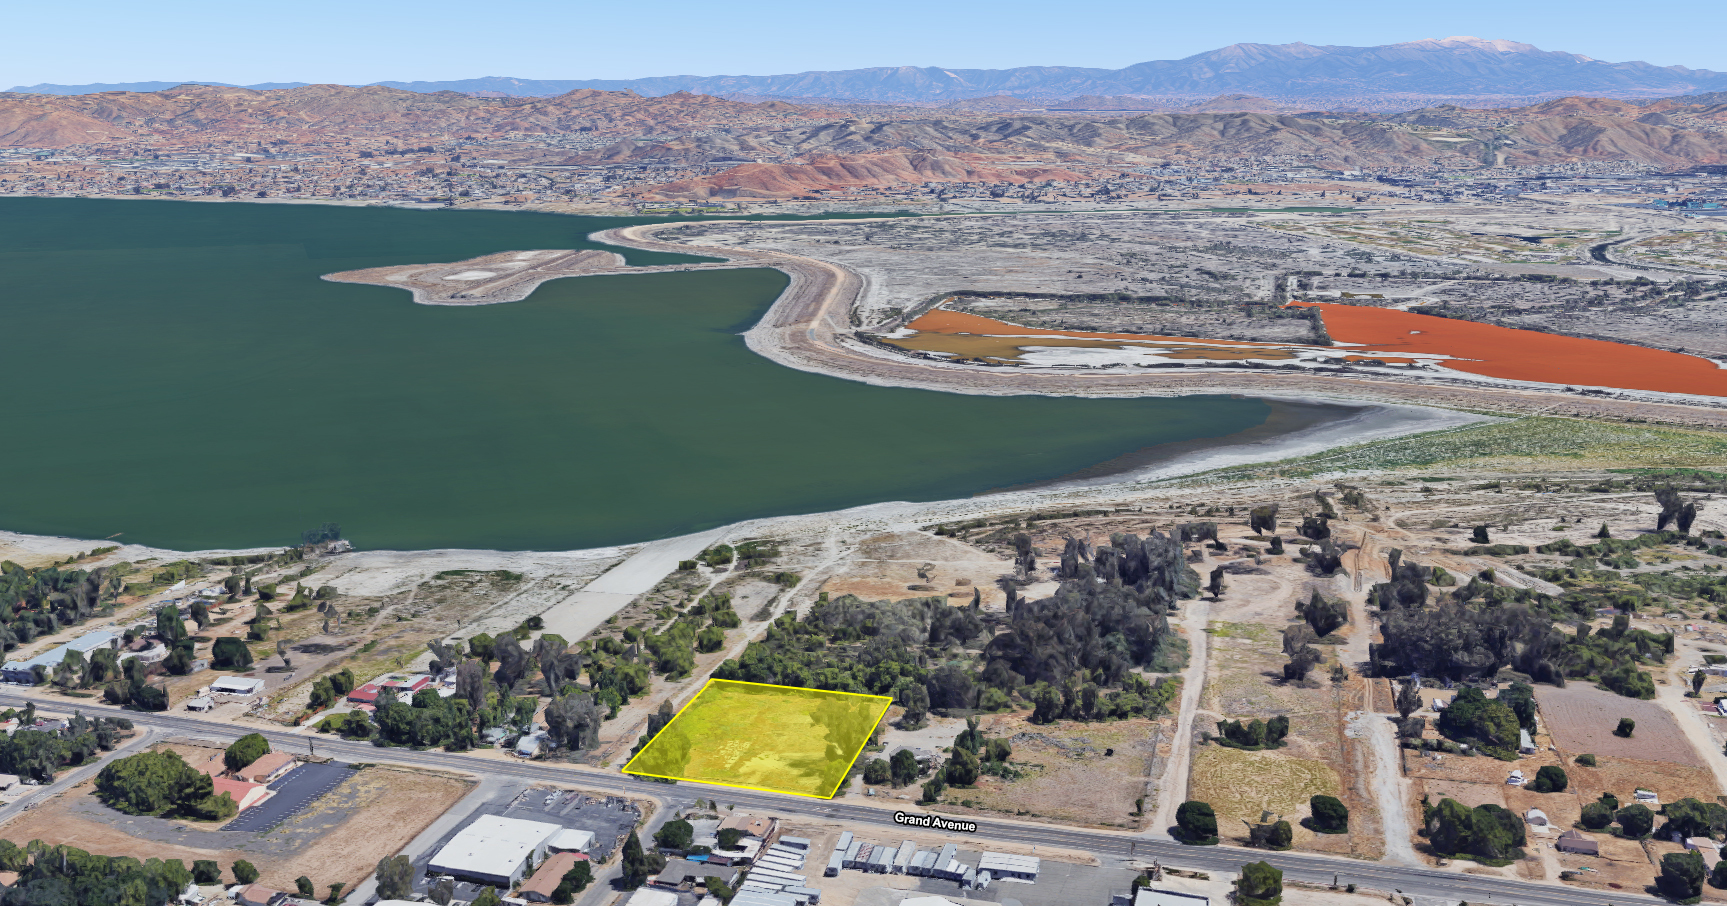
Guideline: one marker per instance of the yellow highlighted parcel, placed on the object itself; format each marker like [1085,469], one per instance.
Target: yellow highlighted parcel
[775,739]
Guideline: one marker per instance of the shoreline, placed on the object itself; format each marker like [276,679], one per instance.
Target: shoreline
[1366,424]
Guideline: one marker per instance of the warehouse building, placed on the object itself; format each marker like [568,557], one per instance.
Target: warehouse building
[1003,865]
[494,850]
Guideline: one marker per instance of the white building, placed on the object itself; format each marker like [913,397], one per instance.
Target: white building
[494,850]
[1003,865]
[236,685]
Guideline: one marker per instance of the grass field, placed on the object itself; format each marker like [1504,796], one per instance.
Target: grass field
[776,738]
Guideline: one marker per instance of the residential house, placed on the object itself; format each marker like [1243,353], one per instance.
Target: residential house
[1573,842]
[245,795]
[539,888]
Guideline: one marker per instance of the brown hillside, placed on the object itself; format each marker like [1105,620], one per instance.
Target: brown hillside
[852,171]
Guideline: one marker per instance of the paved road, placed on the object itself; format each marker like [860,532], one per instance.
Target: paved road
[878,820]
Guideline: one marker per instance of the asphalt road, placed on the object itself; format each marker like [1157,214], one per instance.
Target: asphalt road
[1424,882]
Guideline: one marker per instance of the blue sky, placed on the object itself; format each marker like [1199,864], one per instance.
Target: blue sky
[358,42]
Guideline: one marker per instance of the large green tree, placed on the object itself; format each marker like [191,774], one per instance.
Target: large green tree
[1261,884]
[1197,823]
[245,750]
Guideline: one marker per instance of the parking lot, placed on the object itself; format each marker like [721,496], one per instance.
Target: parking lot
[291,794]
[608,818]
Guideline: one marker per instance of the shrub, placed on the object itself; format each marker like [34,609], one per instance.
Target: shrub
[1681,876]
[1550,779]
[1197,823]
[1635,820]
[1587,761]
[245,873]
[1626,727]
[1261,884]
[1596,815]
[1330,815]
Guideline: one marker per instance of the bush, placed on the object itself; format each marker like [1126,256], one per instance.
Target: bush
[1330,815]
[1635,820]
[1587,761]
[1197,823]
[1626,727]
[1281,836]
[676,835]
[229,653]
[1681,876]
[1261,884]
[1596,815]
[1550,779]
[245,750]
[245,873]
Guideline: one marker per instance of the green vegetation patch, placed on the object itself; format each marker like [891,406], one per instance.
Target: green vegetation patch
[779,739]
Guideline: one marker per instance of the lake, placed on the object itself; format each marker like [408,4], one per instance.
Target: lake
[177,374]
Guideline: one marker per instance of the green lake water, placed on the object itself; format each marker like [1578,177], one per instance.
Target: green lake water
[176,373]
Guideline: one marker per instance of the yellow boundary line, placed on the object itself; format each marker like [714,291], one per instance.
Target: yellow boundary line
[887,701]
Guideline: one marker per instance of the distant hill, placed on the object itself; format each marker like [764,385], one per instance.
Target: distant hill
[99,87]
[1456,69]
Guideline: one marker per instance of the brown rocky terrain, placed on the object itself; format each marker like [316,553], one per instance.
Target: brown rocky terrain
[331,111]
[827,172]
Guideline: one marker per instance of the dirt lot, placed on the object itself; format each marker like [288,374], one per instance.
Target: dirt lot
[1067,777]
[1582,720]
[887,568]
[339,838]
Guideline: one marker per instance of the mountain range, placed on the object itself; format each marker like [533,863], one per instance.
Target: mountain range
[1455,69]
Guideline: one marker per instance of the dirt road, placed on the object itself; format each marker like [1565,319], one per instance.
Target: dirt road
[809,328]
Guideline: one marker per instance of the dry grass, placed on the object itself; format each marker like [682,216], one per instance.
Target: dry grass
[1240,785]
[1066,775]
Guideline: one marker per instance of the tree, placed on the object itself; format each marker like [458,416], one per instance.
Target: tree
[1474,718]
[1520,698]
[1261,884]
[1596,815]
[1718,877]
[207,871]
[719,890]
[904,767]
[489,897]
[1697,680]
[229,653]
[244,872]
[1479,536]
[573,882]
[1197,823]
[1330,815]
[1604,533]
[160,783]
[876,772]
[395,878]
[1682,876]
[245,750]
[483,646]
[1550,779]
[1626,727]
[933,788]
[169,627]
[676,834]
[336,892]
[303,884]
[1691,818]
[1449,826]
[1408,698]
[1636,820]
[962,768]
[638,863]
[200,614]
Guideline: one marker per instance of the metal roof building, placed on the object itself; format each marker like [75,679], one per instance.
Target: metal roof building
[23,672]
[1003,865]
[494,849]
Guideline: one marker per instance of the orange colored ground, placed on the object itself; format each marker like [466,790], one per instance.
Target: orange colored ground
[1524,355]
[940,320]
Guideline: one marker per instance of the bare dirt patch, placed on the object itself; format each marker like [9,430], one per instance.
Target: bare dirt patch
[1582,721]
[1066,775]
